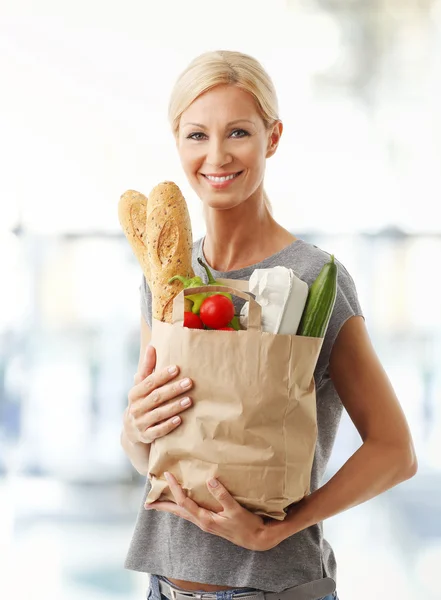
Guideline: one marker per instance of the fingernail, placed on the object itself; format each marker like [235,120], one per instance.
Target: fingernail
[172,370]
[185,402]
[185,383]
[167,476]
[213,483]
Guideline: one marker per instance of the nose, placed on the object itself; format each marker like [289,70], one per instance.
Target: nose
[217,154]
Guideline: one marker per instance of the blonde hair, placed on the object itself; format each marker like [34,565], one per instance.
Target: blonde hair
[219,68]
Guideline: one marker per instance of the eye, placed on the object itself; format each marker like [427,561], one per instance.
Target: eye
[240,133]
[196,135]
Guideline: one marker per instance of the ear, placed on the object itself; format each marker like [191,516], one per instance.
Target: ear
[275,133]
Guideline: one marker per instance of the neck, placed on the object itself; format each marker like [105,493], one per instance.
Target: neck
[243,235]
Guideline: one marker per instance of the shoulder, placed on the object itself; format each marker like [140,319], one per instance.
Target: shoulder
[307,264]
[347,302]
[307,260]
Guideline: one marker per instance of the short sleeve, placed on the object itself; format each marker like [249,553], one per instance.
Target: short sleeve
[145,301]
[346,305]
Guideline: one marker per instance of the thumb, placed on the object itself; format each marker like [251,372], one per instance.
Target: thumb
[147,365]
[222,495]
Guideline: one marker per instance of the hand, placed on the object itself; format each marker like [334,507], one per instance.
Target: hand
[234,523]
[150,414]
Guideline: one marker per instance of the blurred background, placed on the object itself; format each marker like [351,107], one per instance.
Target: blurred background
[83,118]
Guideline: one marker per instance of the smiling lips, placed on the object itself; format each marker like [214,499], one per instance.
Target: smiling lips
[221,181]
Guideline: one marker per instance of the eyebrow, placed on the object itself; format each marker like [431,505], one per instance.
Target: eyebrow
[228,124]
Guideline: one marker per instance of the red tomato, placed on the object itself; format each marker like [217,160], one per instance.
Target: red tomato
[216,311]
[192,321]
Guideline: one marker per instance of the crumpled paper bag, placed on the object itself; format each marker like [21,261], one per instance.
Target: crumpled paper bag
[253,420]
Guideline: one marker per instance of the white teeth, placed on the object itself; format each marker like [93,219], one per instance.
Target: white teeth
[220,179]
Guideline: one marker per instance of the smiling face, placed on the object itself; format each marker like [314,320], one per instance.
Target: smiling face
[223,145]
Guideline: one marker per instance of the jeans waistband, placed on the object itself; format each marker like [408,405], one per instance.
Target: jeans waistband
[314,590]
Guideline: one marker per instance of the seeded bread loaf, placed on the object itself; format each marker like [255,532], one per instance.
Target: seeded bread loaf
[169,246]
[132,213]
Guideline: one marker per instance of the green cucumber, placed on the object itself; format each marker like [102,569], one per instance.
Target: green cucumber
[320,302]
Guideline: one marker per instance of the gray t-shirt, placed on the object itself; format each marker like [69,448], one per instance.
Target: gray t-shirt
[164,544]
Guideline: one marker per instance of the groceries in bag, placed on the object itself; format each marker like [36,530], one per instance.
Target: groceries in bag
[253,420]
[215,310]
[288,307]
[321,301]
[158,229]
[282,296]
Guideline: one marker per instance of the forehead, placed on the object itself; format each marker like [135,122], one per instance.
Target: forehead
[222,103]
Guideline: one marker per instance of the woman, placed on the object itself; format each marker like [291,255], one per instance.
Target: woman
[224,116]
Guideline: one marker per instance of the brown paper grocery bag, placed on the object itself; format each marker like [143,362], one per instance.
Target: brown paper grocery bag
[253,420]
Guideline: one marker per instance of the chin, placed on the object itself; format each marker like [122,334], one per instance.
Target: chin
[221,202]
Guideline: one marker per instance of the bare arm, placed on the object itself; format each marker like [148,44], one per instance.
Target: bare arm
[146,336]
[138,452]
[153,410]
[386,457]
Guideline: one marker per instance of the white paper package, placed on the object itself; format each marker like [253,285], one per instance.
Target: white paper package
[282,296]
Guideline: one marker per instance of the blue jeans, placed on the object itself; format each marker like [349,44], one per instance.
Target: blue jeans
[154,593]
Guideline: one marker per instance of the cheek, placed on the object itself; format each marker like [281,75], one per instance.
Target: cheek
[253,154]
[255,161]
[190,160]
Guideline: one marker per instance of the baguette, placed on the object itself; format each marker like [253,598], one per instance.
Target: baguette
[169,244]
[132,213]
